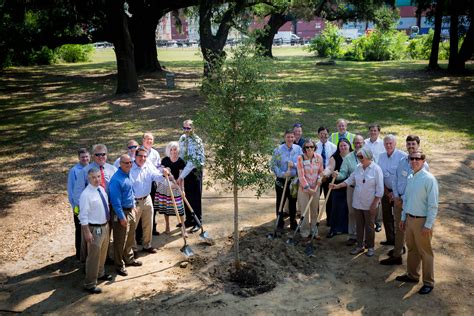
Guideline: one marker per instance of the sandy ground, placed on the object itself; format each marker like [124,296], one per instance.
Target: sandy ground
[38,273]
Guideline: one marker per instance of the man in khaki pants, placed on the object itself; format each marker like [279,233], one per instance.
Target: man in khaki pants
[94,216]
[420,207]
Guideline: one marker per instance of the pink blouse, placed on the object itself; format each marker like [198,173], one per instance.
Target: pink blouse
[309,170]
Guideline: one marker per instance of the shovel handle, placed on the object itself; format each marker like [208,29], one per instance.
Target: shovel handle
[189,206]
[176,209]
[325,201]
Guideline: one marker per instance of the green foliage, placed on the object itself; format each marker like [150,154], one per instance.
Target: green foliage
[378,46]
[44,56]
[239,119]
[73,53]
[386,18]
[420,47]
[329,43]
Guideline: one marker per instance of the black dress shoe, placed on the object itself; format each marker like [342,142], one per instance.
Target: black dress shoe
[94,290]
[150,250]
[178,225]
[387,243]
[189,225]
[405,278]
[134,263]
[390,253]
[105,277]
[390,261]
[122,272]
[330,234]
[378,228]
[351,242]
[157,233]
[425,289]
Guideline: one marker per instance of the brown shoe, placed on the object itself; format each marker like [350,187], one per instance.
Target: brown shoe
[150,250]
[134,263]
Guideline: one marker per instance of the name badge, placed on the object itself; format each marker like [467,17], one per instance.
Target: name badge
[306,162]
[98,231]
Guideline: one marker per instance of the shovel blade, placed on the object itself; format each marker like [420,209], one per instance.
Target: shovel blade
[204,236]
[272,236]
[187,251]
[291,241]
[309,250]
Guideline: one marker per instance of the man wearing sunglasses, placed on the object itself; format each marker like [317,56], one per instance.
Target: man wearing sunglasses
[420,207]
[399,187]
[132,147]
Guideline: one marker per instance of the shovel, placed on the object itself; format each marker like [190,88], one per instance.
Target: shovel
[309,250]
[280,212]
[292,241]
[204,235]
[186,250]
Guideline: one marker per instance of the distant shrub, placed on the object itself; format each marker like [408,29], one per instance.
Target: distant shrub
[420,47]
[329,43]
[44,56]
[378,46]
[74,53]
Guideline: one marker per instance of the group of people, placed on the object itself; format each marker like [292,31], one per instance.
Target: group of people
[370,180]
[115,205]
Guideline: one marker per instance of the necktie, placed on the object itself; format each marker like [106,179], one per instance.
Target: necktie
[323,154]
[102,177]
[106,207]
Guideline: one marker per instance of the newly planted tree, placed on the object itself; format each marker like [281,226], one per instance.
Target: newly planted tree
[237,123]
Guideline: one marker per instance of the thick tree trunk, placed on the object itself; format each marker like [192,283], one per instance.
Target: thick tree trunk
[453,65]
[127,81]
[437,35]
[142,30]
[467,49]
[265,40]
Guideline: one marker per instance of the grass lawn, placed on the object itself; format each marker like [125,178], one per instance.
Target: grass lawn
[47,112]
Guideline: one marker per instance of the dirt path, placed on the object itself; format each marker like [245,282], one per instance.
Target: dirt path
[43,277]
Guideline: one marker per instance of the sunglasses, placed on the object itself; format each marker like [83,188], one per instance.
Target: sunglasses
[100,154]
[308,147]
[416,158]
[132,147]
[187,128]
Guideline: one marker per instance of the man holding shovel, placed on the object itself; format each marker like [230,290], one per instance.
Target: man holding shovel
[284,167]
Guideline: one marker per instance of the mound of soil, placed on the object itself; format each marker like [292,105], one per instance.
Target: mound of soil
[264,263]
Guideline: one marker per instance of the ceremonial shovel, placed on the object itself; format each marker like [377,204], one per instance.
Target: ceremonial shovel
[280,212]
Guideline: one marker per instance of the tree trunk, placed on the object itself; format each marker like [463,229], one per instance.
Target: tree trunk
[265,40]
[127,80]
[236,226]
[142,30]
[467,49]
[453,65]
[437,36]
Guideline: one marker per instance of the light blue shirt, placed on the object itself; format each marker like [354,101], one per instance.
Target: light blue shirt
[349,164]
[191,150]
[74,174]
[403,171]
[281,156]
[142,177]
[421,197]
[389,166]
[121,193]
[82,180]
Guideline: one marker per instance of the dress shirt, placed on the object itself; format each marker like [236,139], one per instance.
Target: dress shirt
[154,157]
[121,193]
[191,150]
[349,164]
[82,180]
[403,171]
[74,174]
[368,185]
[389,166]
[376,147]
[91,207]
[142,178]
[421,197]
[280,158]
[329,148]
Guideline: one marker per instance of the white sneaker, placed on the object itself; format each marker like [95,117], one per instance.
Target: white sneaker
[370,252]
[357,250]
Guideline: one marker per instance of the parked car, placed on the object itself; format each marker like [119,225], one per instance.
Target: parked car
[102,45]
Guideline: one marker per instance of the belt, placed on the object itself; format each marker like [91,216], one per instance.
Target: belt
[127,209]
[352,186]
[97,225]
[141,199]
[416,216]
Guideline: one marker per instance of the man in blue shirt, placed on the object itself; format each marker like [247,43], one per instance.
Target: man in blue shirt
[122,199]
[74,174]
[420,207]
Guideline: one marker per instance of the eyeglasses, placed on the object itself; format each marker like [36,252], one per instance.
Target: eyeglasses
[187,128]
[416,158]
[308,147]
[144,156]
[126,162]
[132,147]
[100,154]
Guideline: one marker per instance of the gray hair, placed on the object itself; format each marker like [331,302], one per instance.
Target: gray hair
[99,147]
[389,137]
[170,146]
[92,171]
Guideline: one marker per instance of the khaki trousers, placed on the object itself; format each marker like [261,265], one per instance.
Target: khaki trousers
[419,250]
[144,211]
[365,226]
[351,230]
[388,221]
[399,234]
[123,239]
[303,199]
[96,254]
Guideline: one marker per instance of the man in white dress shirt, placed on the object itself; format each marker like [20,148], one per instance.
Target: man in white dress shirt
[374,142]
[388,162]
[94,216]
